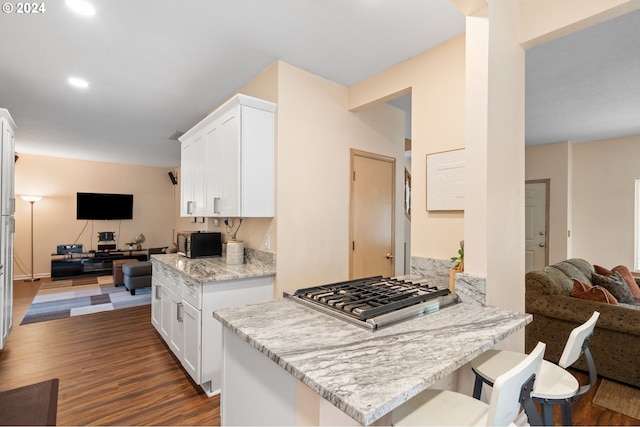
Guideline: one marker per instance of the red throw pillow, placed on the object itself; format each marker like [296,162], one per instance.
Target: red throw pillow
[602,270]
[628,277]
[584,290]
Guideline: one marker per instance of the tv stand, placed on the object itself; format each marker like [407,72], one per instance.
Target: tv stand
[98,263]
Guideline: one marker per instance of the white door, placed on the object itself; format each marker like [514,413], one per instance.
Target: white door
[536,228]
[372,215]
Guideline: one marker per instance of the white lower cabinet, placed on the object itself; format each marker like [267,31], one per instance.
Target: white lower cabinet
[182,312]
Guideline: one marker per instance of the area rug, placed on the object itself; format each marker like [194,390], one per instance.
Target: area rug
[618,397]
[77,297]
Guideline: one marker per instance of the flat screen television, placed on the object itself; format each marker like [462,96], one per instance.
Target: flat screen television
[104,206]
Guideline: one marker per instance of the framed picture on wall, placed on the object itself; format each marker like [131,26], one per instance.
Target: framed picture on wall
[445,181]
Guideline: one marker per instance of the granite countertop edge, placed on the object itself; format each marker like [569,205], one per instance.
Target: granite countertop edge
[287,359]
[215,269]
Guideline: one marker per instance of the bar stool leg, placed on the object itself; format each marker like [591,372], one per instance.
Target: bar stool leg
[566,414]
[547,414]
[477,387]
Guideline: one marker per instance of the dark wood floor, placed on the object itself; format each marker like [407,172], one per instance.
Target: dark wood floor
[114,369]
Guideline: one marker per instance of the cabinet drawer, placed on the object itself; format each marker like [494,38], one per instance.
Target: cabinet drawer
[192,292]
[173,281]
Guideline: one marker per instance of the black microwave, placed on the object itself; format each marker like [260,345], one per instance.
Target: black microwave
[198,244]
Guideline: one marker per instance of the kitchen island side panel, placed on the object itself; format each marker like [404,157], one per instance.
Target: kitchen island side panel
[220,295]
[256,390]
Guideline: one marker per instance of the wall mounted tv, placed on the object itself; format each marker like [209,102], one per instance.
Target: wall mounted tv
[103,206]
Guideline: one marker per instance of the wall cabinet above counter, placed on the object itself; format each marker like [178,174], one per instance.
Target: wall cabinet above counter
[227,161]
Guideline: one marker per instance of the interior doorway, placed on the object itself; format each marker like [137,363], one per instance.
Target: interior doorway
[372,209]
[536,224]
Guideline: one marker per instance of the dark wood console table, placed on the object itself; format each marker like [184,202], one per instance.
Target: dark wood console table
[65,266]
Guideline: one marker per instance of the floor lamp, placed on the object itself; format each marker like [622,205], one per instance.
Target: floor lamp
[32,200]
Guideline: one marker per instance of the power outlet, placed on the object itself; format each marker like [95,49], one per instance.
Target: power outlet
[267,242]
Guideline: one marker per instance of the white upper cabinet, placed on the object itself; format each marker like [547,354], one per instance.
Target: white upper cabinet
[228,161]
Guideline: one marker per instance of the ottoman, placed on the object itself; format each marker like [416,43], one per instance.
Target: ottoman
[118,277]
[137,275]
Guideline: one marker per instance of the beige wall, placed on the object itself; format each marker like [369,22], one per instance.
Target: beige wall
[436,80]
[58,180]
[315,135]
[592,195]
[553,162]
[604,174]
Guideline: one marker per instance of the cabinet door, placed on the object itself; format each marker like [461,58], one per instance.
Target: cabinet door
[176,337]
[212,162]
[192,179]
[165,316]
[156,303]
[228,147]
[192,354]
[6,278]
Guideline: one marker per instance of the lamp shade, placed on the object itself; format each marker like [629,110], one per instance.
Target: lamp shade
[31,198]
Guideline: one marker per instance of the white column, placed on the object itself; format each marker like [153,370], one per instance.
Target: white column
[494,212]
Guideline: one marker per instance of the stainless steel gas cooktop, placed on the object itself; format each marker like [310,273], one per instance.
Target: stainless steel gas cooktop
[374,302]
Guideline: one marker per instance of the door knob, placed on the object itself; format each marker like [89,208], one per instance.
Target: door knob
[389,255]
[541,245]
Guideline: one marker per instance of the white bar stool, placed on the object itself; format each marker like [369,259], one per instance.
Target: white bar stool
[554,385]
[511,391]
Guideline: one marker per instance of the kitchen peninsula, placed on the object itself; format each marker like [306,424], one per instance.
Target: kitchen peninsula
[270,347]
[186,291]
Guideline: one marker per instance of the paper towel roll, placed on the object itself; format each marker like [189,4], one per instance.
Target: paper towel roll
[235,252]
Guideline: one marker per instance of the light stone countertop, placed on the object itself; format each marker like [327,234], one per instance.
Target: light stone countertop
[211,269]
[368,374]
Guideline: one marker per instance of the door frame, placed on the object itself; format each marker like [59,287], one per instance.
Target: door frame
[547,183]
[355,152]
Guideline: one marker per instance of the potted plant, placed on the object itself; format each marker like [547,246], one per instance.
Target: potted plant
[458,267]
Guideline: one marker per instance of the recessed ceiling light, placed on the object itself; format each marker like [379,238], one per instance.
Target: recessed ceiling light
[77,82]
[81,7]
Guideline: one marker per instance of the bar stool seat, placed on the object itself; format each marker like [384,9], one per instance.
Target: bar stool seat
[512,391]
[554,384]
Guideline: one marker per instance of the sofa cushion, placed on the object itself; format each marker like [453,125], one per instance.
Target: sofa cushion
[548,280]
[573,271]
[626,274]
[615,284]
[584,290]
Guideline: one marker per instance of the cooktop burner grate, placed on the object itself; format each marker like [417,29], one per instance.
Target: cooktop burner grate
[370,297]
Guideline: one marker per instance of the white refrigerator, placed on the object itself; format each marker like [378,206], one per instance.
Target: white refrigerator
[7,224]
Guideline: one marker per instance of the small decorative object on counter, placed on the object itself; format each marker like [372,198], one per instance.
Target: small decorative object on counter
[457,268]
[235,252]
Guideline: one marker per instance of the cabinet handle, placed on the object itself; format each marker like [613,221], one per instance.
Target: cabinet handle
[157,296]
[216,205]
[190,207]
[180,309]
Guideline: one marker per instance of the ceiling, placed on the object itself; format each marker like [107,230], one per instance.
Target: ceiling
[156,67]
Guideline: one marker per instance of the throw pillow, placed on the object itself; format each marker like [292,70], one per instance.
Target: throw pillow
[615,284]
[593,293]
[628,277]
[602,270]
